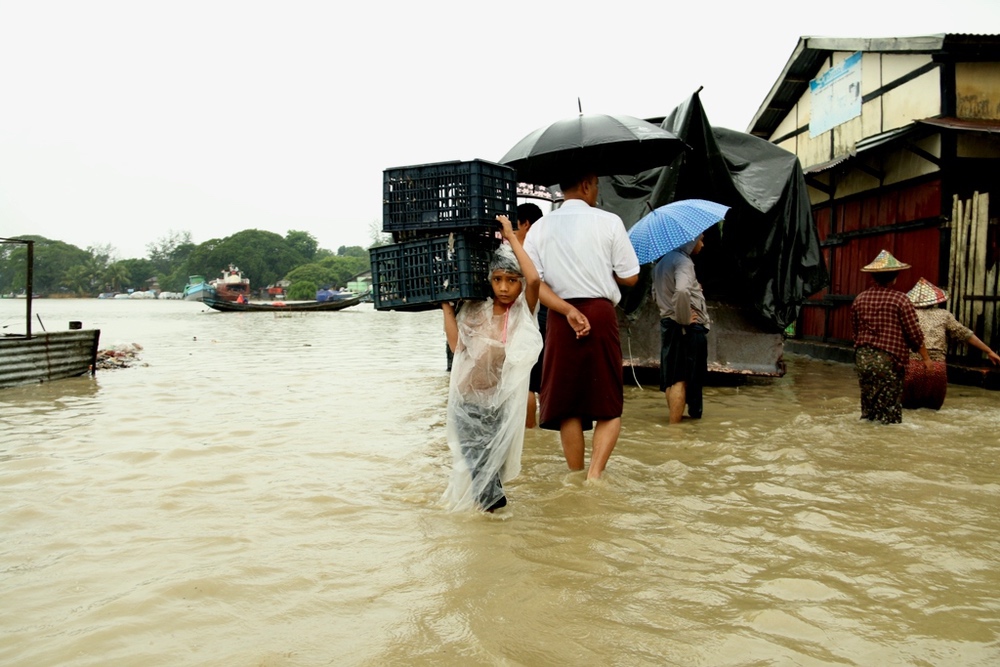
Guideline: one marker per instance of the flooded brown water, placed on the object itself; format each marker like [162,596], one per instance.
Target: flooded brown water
[264,490]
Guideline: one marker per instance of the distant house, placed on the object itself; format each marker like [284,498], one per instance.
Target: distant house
[899,140]
[276,291]
[361,282]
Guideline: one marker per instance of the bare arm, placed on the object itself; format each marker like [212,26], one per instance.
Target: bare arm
[627,282]
[576,319]
[532,282]
[975,342]
[928,364]
[450,325]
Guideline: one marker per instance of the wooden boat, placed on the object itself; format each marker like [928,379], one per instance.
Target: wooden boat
[279,306]
[30,358]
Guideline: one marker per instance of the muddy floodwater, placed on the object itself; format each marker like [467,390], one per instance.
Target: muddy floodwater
[262,490]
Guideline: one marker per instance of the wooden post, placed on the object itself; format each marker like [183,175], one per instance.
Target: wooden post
[968,275]
[979,239]
[955,272]
[990,333]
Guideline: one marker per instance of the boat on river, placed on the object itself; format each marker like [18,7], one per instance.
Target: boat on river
[225,306]
[327,294]
[231,286]
[30,358]
[197,288]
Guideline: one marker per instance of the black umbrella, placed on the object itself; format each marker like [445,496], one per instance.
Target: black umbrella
[598,143]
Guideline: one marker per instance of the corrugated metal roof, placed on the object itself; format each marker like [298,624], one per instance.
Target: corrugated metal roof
[817,168]
[969,124]
[885,138]
[811,53]
[862,146]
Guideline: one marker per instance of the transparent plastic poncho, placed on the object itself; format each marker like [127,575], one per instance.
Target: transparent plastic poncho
[487,400]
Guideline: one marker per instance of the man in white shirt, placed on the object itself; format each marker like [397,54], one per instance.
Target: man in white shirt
[582,255]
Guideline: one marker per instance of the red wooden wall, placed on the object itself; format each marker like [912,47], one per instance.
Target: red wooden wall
[903,220]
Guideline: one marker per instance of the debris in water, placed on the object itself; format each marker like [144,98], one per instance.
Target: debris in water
[118,356]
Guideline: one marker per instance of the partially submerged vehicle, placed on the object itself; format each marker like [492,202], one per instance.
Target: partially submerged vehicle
[758,266]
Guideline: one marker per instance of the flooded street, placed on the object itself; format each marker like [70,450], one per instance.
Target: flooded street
[263,491]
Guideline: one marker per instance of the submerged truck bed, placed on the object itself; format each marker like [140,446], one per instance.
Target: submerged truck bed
[736,346]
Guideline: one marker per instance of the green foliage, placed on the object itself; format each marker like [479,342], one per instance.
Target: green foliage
[58,267]
[331,271]
[315,274]
[118,276]
[139,272]
[302,242]
[170,249]
[167,256]
[302,290]
[352,251]
[263,257]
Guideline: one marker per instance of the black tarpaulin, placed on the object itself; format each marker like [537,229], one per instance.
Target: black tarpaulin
[765,257]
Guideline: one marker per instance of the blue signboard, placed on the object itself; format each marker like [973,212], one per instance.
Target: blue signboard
[835,96]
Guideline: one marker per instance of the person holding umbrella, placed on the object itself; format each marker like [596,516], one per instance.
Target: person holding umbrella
[684,325]
[582,254]
[670,236]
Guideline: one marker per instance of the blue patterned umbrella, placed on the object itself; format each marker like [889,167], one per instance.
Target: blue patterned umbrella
[671,226]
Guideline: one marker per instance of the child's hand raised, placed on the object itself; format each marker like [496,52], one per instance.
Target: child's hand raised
[506,226]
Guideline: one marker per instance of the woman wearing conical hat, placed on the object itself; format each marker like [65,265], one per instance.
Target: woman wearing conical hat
[885,329]
[924,388]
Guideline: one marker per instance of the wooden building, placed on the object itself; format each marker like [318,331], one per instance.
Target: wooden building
[899,140]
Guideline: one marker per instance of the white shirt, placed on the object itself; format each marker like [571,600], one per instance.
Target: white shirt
[578,250]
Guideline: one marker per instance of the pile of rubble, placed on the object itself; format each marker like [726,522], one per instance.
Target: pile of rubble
[118,356]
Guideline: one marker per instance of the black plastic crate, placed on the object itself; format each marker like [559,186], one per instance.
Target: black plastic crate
[476,231]
[421,274]
[447,195]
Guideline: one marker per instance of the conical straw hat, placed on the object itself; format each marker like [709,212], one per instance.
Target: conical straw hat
[885,262]
[926,293]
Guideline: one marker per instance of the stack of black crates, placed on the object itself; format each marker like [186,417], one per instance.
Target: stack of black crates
[442,218]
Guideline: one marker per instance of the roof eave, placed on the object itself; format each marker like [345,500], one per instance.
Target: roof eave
[806,60]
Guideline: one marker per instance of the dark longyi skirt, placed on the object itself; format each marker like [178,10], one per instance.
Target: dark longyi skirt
[535,379]
[582,377]
[881,385]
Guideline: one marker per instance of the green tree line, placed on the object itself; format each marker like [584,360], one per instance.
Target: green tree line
[263,257]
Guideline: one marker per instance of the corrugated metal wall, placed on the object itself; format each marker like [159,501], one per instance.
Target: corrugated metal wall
[47,356]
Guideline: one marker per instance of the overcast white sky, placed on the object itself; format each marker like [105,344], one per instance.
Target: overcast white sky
[122,121]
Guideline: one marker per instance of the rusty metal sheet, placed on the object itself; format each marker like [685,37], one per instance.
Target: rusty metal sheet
[47,356]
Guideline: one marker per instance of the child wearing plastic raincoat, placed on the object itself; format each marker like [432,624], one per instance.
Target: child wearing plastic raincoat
[495,343]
